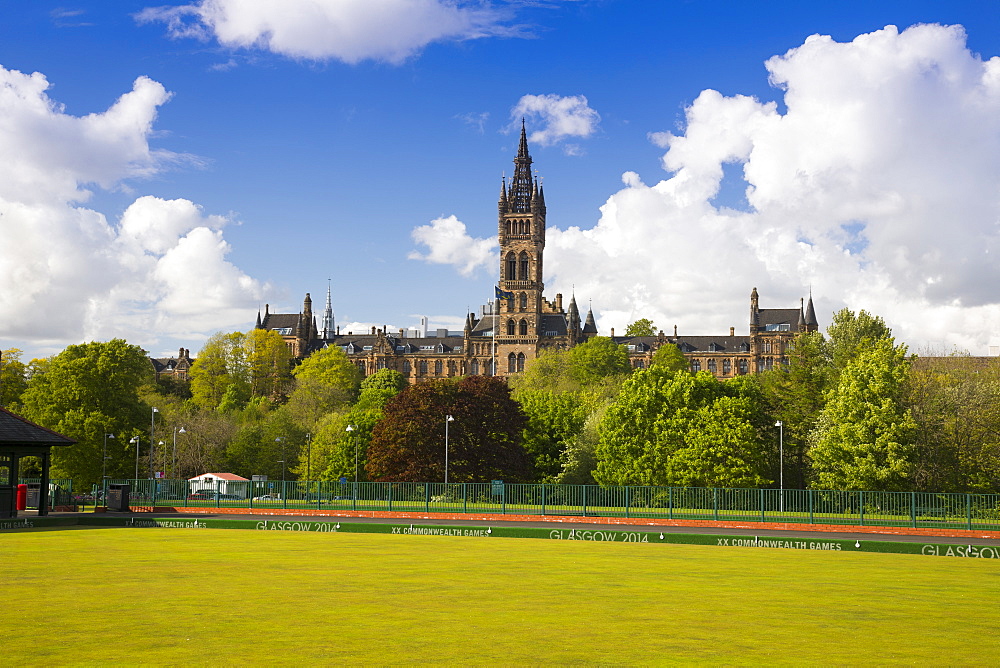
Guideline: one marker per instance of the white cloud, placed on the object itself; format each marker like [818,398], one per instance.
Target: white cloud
[559,117]
[879,186]
[448,242]
[346,30]
[66,273]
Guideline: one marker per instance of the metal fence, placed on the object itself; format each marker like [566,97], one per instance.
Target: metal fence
[60,492]
[889,509]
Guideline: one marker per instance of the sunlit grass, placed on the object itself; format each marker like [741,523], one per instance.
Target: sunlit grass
[128,596]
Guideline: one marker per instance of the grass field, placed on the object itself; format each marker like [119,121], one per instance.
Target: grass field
[130,596]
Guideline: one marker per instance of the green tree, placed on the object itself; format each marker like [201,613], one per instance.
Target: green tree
[13,377]
[597,359]
[864,436]
[324,382]
[641,327]
[849,333]
[795,394]
[235,367]
[680,429]
[485,436]
[84,392]
[554,419]
[670,357]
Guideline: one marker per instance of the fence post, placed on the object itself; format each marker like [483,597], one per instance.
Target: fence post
[861,507]
[390,495]
[913,509]
[670,501]
[715,503]
[811,521]
[585,500]
[628,499]
[427,497]
[762,504]
[503,497]
[968,511]
[465,497]
[544,487]
[354,495]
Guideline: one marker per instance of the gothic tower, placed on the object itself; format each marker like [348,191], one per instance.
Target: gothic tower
[521,234]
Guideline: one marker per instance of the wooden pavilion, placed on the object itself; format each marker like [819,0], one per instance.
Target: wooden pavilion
[21,438]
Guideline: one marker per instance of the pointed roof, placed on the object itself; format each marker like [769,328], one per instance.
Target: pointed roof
[802,314]
[574,310]
[590,327]
[811,312]
[521,189]
[15,430]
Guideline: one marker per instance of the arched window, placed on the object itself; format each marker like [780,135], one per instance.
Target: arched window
[511,363]
[510,328]
[423,366]
[437,367]
[474,368]
[511,267]
[523,327]
[520,362]
[743,367]
[507,226]
[712,366]
[527,227]
[406,367]
[524,301]
[727,367]
[695,365]
[523,260]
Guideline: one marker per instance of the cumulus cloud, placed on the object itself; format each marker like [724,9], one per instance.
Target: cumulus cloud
[68,274]
[448,242]
[347,30]
[559,117]
[878,185]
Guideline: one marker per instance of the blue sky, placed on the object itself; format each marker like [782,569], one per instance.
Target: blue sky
[260,150]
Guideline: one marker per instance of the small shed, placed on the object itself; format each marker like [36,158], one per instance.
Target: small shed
[223,483]
[22,438]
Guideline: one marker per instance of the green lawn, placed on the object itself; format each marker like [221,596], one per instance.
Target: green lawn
[128,596]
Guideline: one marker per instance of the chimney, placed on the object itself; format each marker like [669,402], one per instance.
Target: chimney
[732,331]
[612,332]
[373,330]
[559,301]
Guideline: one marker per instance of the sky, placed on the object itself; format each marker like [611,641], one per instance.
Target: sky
[167,170]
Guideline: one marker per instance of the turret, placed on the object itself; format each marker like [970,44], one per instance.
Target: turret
[812,324]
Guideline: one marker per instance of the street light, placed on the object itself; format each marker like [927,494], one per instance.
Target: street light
[152,437]
[135,439]
[104,461]
[351,428]
[447,419]
[781,463]
[173,465]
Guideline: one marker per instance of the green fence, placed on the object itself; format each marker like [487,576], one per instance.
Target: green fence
[60,492]
[889,509]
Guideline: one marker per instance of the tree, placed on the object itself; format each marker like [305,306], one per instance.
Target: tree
[670,357]
[484,438]
[324,382]
[864,436]
[87,391]
[849,333]
[553,420]
[13,376]
[597,359]
[232,368]
[641,327]
[795,394]
[680,429]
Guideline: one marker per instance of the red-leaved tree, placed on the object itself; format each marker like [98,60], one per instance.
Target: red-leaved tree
[484,439]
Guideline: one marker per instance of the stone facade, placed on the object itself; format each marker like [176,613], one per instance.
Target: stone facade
[173,367]
[522,323]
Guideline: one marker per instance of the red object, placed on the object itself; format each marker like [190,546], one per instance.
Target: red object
[22,497]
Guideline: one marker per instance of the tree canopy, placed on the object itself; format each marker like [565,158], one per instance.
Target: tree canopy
[235,367]
[641,327]
[408,444]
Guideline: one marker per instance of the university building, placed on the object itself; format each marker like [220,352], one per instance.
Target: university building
[522,323]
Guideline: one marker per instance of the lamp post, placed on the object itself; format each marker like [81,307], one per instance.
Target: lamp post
[309,452]
[781,464]
[173,464]
[164,451]
[152,437]
[135,439]
[104,461]
[447,419]
[352,428]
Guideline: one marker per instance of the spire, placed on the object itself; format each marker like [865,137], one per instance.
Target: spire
[328,328]
[754,309]
[258,319]
[503,193]
[811,320]
[521,183]
[802,316]
[574,316]
[590,327]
